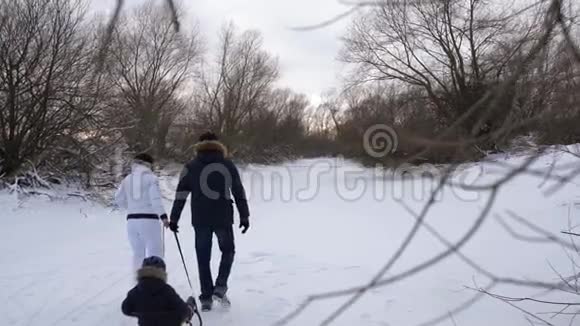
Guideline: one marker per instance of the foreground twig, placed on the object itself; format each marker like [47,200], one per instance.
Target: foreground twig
[571,233]
[107,39]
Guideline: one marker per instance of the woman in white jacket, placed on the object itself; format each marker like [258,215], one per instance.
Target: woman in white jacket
[140,195]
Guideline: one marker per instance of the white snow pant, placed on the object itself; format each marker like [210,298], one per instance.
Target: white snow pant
[146,239]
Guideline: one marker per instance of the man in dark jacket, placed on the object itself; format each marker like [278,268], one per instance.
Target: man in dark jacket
[211,179]
[153,301]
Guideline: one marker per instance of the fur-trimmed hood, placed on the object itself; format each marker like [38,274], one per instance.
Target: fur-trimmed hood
[151,272]
[211,146]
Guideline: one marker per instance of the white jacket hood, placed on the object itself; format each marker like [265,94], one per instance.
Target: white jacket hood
[139,192]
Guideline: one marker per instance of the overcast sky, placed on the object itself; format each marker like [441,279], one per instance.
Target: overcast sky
[307,59]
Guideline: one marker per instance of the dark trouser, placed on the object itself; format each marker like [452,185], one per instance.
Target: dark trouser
[203,244]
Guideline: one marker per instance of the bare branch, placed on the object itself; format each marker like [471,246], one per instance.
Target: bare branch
[570,233]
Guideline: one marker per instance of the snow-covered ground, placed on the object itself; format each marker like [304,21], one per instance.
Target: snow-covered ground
[317,225]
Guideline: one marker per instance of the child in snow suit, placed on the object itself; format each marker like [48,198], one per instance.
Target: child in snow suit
[153,301]
[140,195]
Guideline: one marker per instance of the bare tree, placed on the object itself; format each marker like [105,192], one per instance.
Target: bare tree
[286,104]
[319,120]
[236,84]
[275,131]
[150,65]
[45,93]
[445,48]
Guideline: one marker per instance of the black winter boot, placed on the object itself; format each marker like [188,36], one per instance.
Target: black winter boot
[206,304]
[219,295]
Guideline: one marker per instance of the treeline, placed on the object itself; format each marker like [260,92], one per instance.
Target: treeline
[460,78]
[74,91]
[444,74]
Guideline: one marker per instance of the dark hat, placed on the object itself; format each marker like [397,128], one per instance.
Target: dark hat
[154,261]
[208,136]
[144,157]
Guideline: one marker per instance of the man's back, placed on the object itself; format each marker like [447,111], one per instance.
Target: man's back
[210,174]
[211,179]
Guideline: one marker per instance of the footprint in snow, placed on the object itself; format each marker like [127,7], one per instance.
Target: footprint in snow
[348,268]
[259,254]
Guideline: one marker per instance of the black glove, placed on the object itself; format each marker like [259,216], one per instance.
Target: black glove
[173,226]
[244,224]
[192,307]
[191,302]
[163,217]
